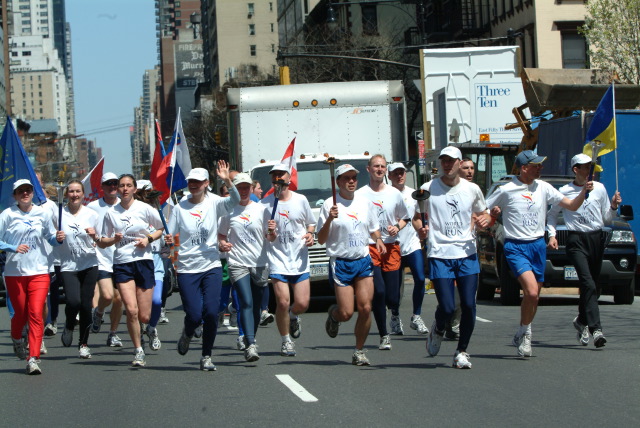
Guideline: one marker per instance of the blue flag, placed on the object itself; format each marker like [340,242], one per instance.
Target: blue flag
[15,166]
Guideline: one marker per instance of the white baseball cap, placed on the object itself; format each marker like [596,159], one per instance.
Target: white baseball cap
[345,168]
[242,177]
[452,152]
[580,159]
[198,174]
[392,167]
[142,184]
[108,176]
[280,167]
[21,182]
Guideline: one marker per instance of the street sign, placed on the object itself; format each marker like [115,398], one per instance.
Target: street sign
[419,135]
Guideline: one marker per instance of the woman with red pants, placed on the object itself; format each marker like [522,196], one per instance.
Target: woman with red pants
[24,228]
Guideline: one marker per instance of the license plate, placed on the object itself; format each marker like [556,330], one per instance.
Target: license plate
[319,270]
[570,273]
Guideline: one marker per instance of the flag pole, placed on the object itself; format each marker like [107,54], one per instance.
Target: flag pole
[615,132]
[173,151]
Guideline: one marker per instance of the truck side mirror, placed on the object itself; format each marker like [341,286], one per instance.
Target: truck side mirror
[626,212]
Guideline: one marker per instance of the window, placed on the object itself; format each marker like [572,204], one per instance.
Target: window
[178,13]
[369,20]
[574,51]
[251,9]
[252,50]
[14,53]
[272,27]
[270,6]
[252,29]
[273,48]
[26,53]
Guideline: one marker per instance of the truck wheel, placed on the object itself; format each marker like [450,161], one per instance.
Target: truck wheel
[624,295]
[485,291]
[509,286]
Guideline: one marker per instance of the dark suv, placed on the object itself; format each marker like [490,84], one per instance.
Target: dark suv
[618,266]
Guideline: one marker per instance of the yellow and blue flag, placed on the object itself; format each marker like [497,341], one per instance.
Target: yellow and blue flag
[603,125]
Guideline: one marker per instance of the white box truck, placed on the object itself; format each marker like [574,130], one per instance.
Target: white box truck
[350,121]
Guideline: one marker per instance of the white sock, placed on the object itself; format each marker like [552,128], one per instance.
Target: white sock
[524,329]
[139,350]
[292,316]
[286,338]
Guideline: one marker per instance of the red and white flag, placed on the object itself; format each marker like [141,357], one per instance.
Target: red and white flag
[289,159]
[92,183]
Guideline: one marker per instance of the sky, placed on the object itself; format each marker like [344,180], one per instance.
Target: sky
[112,43]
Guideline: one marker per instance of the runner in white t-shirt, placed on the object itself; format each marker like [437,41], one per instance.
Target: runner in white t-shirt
[289,256]
[455,207]
[523,203]
[105,293]
[346,227]
[130,226]
[392,217]
[199,269]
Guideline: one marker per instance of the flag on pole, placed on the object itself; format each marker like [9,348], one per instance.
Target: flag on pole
[603,125]
[92,183]
[159,175]
[289,159]
[15,165]
[180,160]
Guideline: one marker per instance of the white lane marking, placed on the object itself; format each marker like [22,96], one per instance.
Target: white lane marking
[296,388]
[482,319]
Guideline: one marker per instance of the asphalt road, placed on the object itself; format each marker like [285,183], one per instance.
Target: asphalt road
[563,384]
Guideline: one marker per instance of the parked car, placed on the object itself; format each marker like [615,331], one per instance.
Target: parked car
[618,266]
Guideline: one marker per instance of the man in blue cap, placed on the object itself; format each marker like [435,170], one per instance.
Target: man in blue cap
[523,203]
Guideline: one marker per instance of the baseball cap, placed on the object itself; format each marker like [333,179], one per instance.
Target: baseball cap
[280,167]
[580,159]
[452,152]
[526,157]
[345,168]
[392,167]
[108,177]
[198,174]
[242,177]
[144,184]
[21,182]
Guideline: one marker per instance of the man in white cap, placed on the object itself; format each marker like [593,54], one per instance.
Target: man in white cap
[393,217]
[454,207]
[523,203]
[410,247]
[107,294]
[585,244]
[289,256]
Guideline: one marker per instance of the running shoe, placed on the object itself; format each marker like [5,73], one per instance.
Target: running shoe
[266,318]
[138,360]
[206,364]
[114,341]
[32,366]
[43,349]
[163,317]
[233,315]
[96,320]
[20,349]
[288,349]
[461,360]
[583,332]
[385,343]
[523,343]
[418,325]
[85,352]
[434,340]
[598,338]
[220,319]
[359,358]
[67,337]
[294,327]
[154,340]
[198,332]
[50,330]
[451,334]
[183,343]
[331,326]
[396,325]
[240,343]
[251,353]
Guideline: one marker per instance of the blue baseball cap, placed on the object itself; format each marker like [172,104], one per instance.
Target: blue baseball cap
[526,157]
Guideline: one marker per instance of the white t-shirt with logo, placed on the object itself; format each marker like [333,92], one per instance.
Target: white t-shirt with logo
[524,207]
[105,255]
[134,223]
[408,237]
[245,228]
[389,205]
[451,227]
[33,229]
[592,215]
[78,251]
[349,234]
[288,254]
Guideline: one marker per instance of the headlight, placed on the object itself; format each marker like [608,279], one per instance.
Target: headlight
[622,237]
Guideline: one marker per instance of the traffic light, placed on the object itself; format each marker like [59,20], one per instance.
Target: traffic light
[217,136]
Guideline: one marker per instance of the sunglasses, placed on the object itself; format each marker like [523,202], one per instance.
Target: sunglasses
[111,183]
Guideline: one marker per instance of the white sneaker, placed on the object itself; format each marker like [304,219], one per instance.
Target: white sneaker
[163,317]
[154,340]
[139,360]
[418,324]
[523,343]
[598,339]
[43,349]
[583,332]
[461,360]
[251,353]
[85,352]
[233,315]
[32,366]
[385,343]
[396,325]
[240,345]
[206,364]
[434,340]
